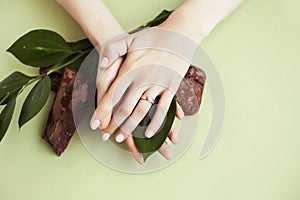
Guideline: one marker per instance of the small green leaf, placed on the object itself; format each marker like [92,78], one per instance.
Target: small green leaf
[154,22]
[160,18]
[6,116]
[11,85]
[35,100]
[40,48]
[148,146]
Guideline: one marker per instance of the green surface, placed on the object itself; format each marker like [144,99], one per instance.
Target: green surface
[256,52]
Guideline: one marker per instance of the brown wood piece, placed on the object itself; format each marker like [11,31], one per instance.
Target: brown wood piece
[60,125]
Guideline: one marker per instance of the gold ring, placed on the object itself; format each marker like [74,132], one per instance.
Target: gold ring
[149,99]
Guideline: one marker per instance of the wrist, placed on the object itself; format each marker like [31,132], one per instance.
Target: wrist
[195,18]
[97,34]
[94,18]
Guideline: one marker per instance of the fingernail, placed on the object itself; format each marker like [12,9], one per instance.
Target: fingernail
[105,136]
[141,160]
[120,138]
[176,139]
[95,124]
[150,133]
[181,114]
[104,62]
[169,154]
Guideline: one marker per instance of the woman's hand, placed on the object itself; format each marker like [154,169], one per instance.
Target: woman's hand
[147,72]
[137,75]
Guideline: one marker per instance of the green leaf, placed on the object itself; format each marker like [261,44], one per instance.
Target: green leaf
[159,19]
[81,45]
[77,63]
[73,61]
[40,48]
[11,85]
[6,116]
[154,22]
[148,146]
[35,100]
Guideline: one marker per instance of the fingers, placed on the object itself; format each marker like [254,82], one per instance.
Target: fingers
[179,112]
[173,136]
[165,151]
[133,121]
[139,112]
[111,51]
[103,112]
[121,113]
[105,77]
[160,114]
[134,151]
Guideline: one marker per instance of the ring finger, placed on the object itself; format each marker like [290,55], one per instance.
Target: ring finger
[140,111]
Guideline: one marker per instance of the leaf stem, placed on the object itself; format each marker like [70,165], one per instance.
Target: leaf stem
[35,78]
[4,98]
[56,68]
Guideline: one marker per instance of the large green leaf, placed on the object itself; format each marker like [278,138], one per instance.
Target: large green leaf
[85,47]
[11,85]
[148,146]
[81,45]
[6,116]
[40,48]
[35,100]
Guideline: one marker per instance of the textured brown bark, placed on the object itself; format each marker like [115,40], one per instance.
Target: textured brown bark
[60,125]
[189,93]
[55,78]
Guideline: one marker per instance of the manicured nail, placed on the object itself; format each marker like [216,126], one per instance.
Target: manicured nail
[169,154]
[95,124]
[181,113]
[105,136]
[104,62]
[176,139]
[140,160]
[120,138]
[150,133]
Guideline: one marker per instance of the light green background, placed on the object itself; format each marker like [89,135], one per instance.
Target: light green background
[256,51]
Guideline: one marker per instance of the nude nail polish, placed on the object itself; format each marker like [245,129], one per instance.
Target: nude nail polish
[169,154]
[105,136]
[150,133]
[104,62]
[120,138]
[95,124]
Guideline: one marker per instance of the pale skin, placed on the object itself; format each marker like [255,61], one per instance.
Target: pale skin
[193,18]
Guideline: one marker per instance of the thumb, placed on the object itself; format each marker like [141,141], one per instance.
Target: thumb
[110,52]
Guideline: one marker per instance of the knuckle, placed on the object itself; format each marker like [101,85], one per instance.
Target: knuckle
[103,108]
[97,113]
[109,48]
[141,110]
[104,81]
[123,111]
[138,114]
[134,120]
[127,130]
